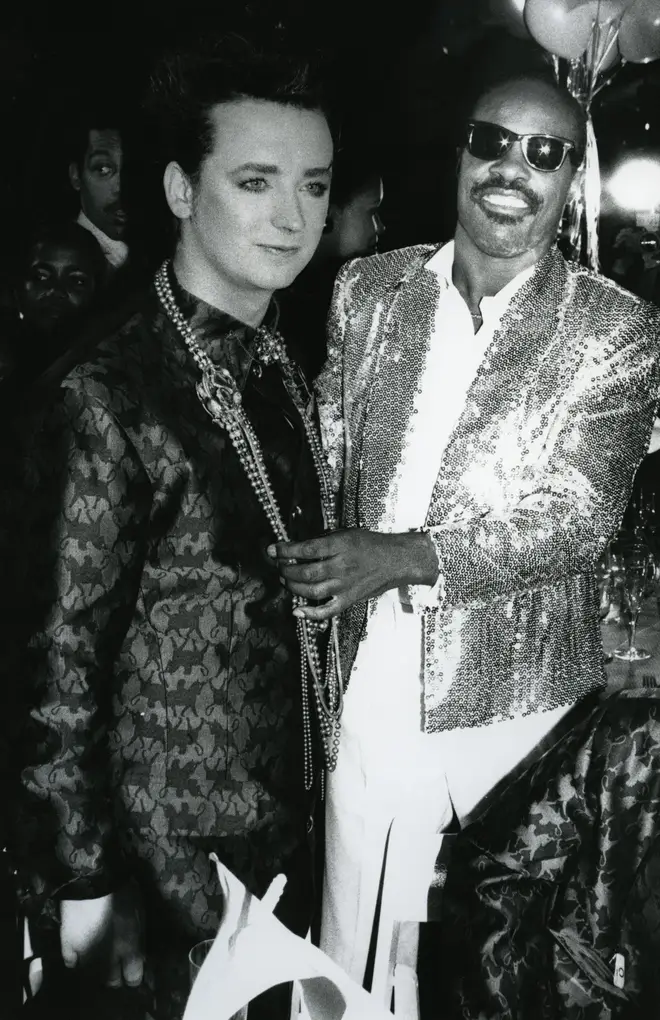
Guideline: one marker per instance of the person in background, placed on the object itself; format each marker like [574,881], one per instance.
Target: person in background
[354,226]
[95,172]
[166,699]
[485,405]
[353,229]
[59,278]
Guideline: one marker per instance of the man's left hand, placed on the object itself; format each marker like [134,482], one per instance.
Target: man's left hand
[352,566]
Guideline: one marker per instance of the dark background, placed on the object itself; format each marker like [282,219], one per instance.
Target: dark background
[400,69]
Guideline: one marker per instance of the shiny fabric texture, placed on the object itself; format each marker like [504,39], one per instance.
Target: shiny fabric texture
[162,676]
[533,482]
[557,876]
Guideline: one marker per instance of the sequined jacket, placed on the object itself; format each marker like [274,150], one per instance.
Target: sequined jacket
[533,481]
[162,671]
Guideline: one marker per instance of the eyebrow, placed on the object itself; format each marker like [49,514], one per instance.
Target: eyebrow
[99,152]
[272,168]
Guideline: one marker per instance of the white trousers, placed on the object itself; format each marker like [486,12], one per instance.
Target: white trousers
[454,771]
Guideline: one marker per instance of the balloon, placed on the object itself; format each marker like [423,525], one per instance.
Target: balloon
[639,37]
[509,14]
[560,26]
[609,8]
[564,27]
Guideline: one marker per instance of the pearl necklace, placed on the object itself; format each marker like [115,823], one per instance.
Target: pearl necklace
[222,400]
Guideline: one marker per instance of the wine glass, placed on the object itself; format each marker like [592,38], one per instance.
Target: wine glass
[604,571]
[635,577]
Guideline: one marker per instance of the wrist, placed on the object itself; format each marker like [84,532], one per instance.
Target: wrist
[420,561]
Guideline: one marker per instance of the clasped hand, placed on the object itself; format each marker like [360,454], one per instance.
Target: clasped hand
[352,565]
[105,934]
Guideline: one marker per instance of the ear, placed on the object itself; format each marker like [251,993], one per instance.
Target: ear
[74,176]
[178,191]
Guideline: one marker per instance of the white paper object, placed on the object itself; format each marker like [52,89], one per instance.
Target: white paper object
[253,951]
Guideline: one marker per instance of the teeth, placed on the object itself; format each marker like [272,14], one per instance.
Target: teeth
[506,201]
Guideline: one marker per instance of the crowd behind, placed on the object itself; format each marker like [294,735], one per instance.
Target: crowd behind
[71,275]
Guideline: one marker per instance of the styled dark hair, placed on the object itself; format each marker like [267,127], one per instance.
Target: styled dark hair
[186,85]
[94,115]
[64,232]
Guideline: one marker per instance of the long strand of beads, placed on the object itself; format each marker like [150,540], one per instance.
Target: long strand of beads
[221,399]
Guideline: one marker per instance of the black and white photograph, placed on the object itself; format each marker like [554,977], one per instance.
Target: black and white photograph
[330,510]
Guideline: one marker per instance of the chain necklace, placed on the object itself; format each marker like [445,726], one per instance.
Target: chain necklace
[222,400]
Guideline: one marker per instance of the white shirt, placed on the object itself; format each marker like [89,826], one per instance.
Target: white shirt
[116,252]
[382,710]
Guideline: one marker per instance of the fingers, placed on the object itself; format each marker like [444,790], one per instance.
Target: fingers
[85,926]
[319,591]
[307,573]
[127,969]
[127,938]
[311,549]
[320,613]
[133,970]
[105,934]
[69,956]
[113,973]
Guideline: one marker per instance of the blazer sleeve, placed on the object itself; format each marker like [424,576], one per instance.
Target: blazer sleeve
[329,385]
[575,496]
[87,500]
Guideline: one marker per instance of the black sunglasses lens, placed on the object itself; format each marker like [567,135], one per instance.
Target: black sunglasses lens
[545,153]
[487,141]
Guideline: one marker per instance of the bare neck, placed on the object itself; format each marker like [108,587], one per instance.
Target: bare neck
[476,274]
[247,306]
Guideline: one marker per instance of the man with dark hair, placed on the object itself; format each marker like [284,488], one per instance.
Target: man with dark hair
[485,405]
[169,684]
[95,172]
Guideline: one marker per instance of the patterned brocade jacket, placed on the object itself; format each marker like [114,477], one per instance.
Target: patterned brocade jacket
[162,673]
[533,481]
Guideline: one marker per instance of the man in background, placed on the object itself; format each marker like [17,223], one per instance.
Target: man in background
[353,228]
[95,172]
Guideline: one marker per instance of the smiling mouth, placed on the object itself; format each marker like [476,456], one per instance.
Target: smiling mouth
[502,201]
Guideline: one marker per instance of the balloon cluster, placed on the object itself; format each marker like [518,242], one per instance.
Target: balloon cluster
[606,30]
[588,40]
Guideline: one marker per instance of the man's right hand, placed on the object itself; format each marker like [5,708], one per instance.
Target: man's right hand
[107,933]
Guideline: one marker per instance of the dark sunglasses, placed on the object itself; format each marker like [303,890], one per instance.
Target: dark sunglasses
[542,152]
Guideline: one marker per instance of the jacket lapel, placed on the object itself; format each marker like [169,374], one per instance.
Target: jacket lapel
[512,360]
[407,326]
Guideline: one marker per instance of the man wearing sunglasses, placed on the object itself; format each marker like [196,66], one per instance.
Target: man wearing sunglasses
[485,406]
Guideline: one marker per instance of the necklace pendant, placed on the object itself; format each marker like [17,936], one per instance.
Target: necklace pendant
[219,384]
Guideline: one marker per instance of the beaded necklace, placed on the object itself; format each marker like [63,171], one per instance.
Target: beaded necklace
[222,400]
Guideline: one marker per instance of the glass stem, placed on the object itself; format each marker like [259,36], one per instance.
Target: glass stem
[633,631]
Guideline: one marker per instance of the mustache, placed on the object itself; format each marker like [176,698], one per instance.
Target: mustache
[514,187]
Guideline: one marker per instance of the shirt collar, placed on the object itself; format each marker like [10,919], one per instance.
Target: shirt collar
[226,340]
[116,252]
[442,263]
